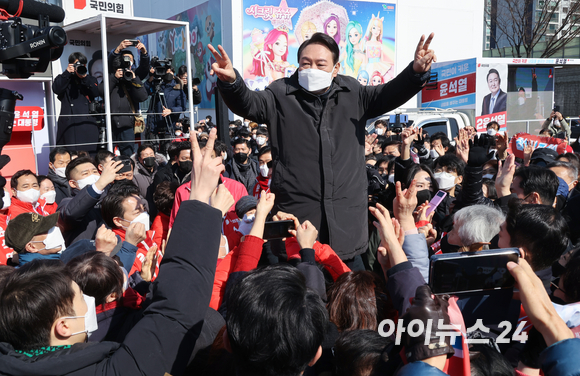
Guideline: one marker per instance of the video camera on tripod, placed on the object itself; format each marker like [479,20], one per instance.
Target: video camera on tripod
[160,68]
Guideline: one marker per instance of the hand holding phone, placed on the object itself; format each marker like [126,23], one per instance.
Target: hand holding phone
[278,229]
[134,42]
[435,201]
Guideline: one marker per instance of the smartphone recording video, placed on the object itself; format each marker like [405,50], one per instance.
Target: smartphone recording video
[278,229]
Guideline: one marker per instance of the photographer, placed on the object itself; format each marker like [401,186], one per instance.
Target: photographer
[182,74]
[126,92]
[167,99]
[76,89]
[122,50]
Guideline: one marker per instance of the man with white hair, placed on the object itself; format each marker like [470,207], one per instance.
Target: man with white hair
[475,226]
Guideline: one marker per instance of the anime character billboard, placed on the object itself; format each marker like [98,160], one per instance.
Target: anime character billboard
[274,30]
[204,27]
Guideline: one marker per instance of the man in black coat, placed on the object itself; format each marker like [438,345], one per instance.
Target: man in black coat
[126,92]
[51,338]
[59,158]
[76,89]
[316,120]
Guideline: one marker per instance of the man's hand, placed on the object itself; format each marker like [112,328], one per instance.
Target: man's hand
[439,149]
[223,66]
[423,55]
[119,73]
[124,44]
[149,264]
[135,233]
[206,170]
[462,145]
[110,170]
[404,205]
[408,136]
[105,240]
[281,216]
[141,47]
[70,68]
[505,176]
[537,303]
[370,142]
[265,204]
[222,199]
[166,112]
[501,144]
[390,240]
[306,235]
[559,116]
[528,151]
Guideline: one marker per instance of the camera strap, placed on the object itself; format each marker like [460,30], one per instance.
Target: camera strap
[130,101]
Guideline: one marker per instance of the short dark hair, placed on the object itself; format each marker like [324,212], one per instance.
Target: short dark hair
[261,131]
[77,56]
[57,151]
[540,180]
[493,70]
[243,133]
[164,196]
[241,140]
[219,147]
[357,300]
[31,299]
[175,148]
[125,158]
[18,175]
[382,122]
[144,146]
[361,352]
[98,275]
[442,137]
[101,156]
[487,361]
[493,124]
[541,229]
[413,170]
[182,70]
[324,40]
[275,323]
[112,204]
[264,150]
[41,178]
[452,162]
[74,164]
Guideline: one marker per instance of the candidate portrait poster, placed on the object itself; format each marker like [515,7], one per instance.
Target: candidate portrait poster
[491,98]
[274,29]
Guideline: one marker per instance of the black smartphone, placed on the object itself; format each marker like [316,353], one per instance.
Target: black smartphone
[556,108]
[456,273]
[278,229]
[134,42]
[195,81]
[126,165]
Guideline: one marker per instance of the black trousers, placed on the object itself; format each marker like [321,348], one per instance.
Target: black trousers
[125,134]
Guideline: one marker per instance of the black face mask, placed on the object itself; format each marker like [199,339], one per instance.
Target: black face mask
[185,166]
[240,157]
[424,195]
[149,162]
[168,77]
[448,248]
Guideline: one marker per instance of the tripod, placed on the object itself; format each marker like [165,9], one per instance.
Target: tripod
[157,130]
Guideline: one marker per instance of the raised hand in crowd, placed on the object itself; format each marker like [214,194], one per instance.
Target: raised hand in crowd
[263,209]
[141,47]
[404,205]
[479,153]
[223,66]
[528,151]
[370,142]
[135,233]
[222,199]
[123,45]
[408,135]
[424,56]
[462,145]
[505,176]
[306,234]
[501,144]
[109,173]
[206,170]
[390,251]
[105,240]
[148,266]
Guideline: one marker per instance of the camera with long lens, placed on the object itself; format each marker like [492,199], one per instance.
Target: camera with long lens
[80,68]
[97,107]
[126,66]
[160,68]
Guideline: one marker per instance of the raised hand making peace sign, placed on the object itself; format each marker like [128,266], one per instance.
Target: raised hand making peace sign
[423,55]
[223,66]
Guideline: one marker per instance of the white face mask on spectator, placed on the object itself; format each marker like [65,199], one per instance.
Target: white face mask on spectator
[49,197]
[260,140]
[379,131]
[491,132]
[445,180]
[91,323]
[521,101]
[6,201]
[556,122]
[487,176]
[434,154]
[30,195]
[391,178]
[141,218]
[53,240]
[60,172]
[89,180]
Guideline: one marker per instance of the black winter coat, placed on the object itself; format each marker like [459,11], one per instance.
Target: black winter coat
[174,99]
[75,94]
[119,101]
[163,340]
[61,186]
[318,148]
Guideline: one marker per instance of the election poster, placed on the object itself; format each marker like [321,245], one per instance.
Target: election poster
[455,88]
[274,29]
[491,99]
[204,28]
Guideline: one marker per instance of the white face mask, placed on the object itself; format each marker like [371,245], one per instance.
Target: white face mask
[487,176]
[89,180]
[379,131]
[6,201]
[249,218]
[60,172]
[556,122]
[254,136]
[434,154]
[521,101]
[53,240]
[491,132]
[264,170]
[260,140]
[315,79]
[91,324]
[225,156]
[141,218]
[445,180]
[391,178]
[49,197]
[30,195]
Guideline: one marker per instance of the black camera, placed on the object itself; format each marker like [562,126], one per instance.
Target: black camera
[97,107]
[160,66]
[80,68]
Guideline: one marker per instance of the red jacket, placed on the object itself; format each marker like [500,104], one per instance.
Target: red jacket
[142,249]
[325,256]
[47,208]
[161,227]
[262,184]
[229,226]
[18,207]
[237,189]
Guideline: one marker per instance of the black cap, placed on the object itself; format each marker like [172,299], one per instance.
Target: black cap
[245,204]
[544,154]
[24,227]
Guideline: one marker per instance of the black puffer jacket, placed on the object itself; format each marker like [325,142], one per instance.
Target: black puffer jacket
[118,89]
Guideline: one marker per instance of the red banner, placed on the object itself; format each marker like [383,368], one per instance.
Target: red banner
[518,142]
[500,117]
[25,117]
[450,88]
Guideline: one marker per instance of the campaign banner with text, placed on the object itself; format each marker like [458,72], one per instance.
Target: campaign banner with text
[456,85]
[518,142]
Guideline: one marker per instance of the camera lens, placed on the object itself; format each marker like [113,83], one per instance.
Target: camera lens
[128,75]
[81,69]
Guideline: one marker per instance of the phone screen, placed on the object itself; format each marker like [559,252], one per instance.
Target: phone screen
[278,229]
[470,272]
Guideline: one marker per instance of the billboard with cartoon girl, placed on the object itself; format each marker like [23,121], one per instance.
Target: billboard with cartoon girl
[274,30]
[204,27]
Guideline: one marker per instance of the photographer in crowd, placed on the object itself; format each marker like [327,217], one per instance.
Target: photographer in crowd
[76,90]
[126,92]
[183,76]
[122,50]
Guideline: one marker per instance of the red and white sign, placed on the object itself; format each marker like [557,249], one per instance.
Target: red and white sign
[518,142]
[500,117]
[450,88]
[25,117]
